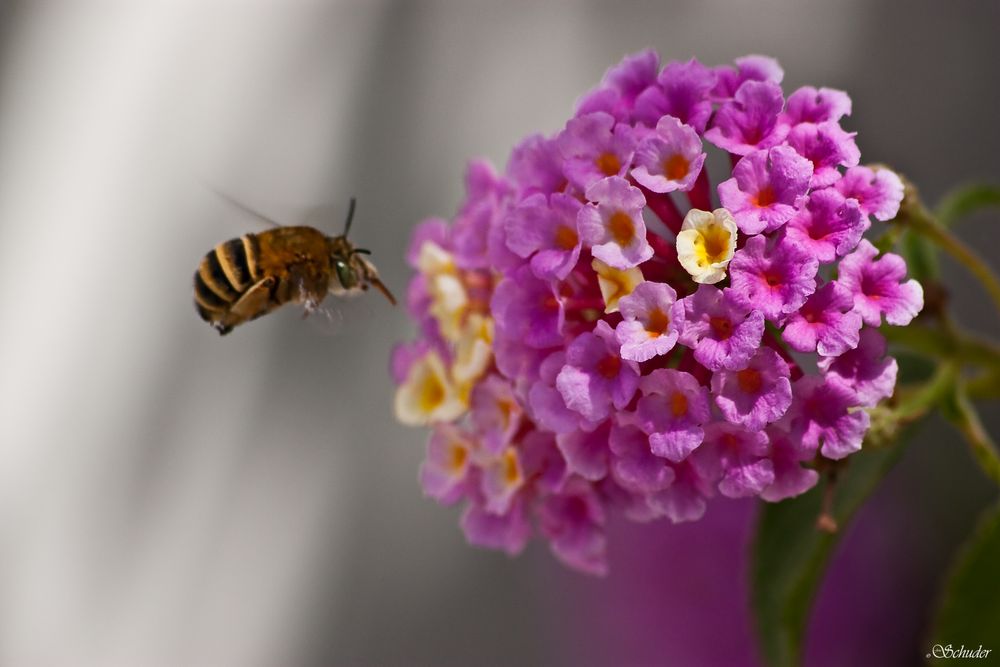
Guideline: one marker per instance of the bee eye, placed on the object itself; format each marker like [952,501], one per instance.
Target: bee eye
[347,276]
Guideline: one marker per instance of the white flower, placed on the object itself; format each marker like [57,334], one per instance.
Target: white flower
[706,243]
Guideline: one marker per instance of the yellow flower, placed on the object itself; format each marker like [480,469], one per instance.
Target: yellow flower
[449,299]
[706,243]
[474,349]
[615,283]
[429,394]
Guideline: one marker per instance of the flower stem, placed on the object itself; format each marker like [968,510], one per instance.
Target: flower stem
[916,215]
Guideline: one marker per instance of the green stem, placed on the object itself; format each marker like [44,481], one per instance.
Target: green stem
[945,341]
[923,223]
[965,418]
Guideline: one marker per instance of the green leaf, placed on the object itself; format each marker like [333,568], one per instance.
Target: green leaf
[969,613]
[789,555]
[965,200]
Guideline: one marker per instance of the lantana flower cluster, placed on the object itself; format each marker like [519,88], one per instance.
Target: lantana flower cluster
[601,330]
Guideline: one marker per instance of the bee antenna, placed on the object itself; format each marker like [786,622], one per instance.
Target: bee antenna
[361,251]
[350,217]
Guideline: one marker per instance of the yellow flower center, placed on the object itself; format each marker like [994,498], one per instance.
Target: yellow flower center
[432,393]
[712,244]
[458,457]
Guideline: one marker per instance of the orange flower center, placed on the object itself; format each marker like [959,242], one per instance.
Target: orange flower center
[622,228]
[676,167]
[765,197]
[608,164]
[658,323]
[609,366]
[749,380]
[721,326]
[566,237]
[678,404]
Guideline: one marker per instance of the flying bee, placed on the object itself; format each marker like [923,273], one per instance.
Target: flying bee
[244,278]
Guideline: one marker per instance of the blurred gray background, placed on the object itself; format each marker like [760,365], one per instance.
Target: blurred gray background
[168,497]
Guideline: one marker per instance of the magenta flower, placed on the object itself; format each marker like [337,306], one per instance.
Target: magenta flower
[748,68]
[775,280]
[865,369]
[622,85]
[878,192]
[823,416]
[809,105]
[828,227]
[496,414]
[722,333]
[685,499]
[535,165]
[750,120]
[575,364]
[613,223]
[595,147]
[508,532]
[826,322]
[878,288]
[787,455]
[670,158]
[586,452]
[828,147]
[545,229]
[573,521]
[634,464]
[767,188]
[648,329]
[742,459]
[682,92]
[756,395]
[595,376]
[529,309]
[671,412]
[448,462]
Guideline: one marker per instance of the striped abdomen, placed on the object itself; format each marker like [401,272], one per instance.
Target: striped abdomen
[225,275]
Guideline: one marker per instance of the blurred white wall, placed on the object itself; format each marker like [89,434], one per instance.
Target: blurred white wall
[168,497]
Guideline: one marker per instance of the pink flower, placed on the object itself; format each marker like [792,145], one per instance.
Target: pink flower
[595,377]
[575,364]
[595,147]
[670,158]
[722,333]
[823,416]
[613,226]
[775,280]
[825,323]
[767,188]
[750,121]
[829,226]
[757,395]
[671,412]
[647,329]
[865,369]
[878,287]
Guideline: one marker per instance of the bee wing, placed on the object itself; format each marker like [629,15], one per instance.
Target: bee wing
[255,302]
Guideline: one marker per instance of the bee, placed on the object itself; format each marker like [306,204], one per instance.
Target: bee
[245,278]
